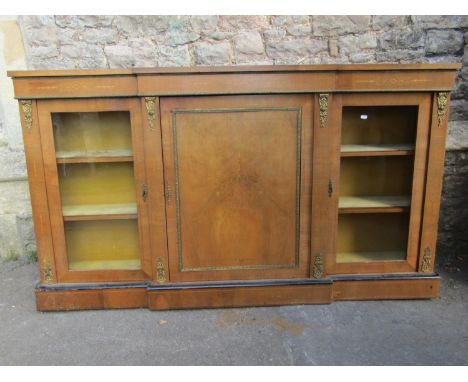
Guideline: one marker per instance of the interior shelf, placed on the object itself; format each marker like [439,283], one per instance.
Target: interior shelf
[362,257]
[377,150]
[104,211]
[80,156]
[363,204]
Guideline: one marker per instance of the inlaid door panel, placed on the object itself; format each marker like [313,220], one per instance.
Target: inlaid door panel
[238,186]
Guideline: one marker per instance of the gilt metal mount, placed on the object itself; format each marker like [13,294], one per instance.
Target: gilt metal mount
[442,101]
[47,272]
[26,105]
[150,103]
[323,103]
[160,271]
[426,263]
[318,267]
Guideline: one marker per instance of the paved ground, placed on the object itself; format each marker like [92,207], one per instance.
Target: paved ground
[343,333]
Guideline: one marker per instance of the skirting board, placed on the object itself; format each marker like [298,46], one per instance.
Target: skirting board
[66,297]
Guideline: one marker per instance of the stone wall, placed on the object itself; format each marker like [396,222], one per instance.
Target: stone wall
[66,42]
[16,233]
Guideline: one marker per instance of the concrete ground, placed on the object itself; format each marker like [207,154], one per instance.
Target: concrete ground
[433,332]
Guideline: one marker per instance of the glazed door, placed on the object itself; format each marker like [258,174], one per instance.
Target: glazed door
[379,181]
[94,167]
[238,186]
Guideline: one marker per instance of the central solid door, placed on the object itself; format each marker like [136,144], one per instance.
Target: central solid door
[238,173]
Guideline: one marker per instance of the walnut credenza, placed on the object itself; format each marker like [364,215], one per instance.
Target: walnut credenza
[173,188]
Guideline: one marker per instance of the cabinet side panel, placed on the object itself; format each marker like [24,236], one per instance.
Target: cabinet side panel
[435,172]
[420,163]
[37,188]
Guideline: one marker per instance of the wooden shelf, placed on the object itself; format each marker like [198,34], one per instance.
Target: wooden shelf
[376,150]
[365,257]
[94,156]
[368,204]
[105,265]
[99,212]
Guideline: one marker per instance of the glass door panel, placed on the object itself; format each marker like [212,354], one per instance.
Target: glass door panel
[97,189]
[92,134]
[372,237]
[378,128]
[102,245]
[377,179]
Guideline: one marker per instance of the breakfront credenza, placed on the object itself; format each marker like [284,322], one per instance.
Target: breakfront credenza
[174,188]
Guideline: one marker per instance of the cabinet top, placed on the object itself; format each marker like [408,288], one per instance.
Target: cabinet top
[229,69]
[229,80]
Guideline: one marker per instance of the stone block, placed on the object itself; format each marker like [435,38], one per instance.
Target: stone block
[289,20]
[37,22]
[400,55]
[440,22]
[46,36]
[44,51]
[249,43]
[99,36]
[235,23]
[356,43]
[119,56]
[219,36]
[14,202]
[128,25]
[66,21]
[444,42]
[212,54]
[457,138]
[458,110]
[13,163]
[362,58]
[144,51]
[339,25]
[299,30]
[295,50]
[402,39]
[94,21]
[10,244]
[25,229]
[385,22]
[180,37]
[152,26]
[204,24]
[274,34]
[174,56]
[333,47]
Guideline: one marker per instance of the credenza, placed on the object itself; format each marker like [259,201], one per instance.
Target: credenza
[173,188]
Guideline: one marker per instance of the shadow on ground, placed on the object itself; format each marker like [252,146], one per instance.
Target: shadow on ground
[426,332]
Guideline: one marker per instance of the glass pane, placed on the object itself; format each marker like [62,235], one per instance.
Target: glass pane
[376,176]
[92,134]
[372,237]
[97,189]
[99,245]
[379,125]
[109,185]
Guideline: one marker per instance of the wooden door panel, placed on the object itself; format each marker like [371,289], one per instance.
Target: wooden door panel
[234,165]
